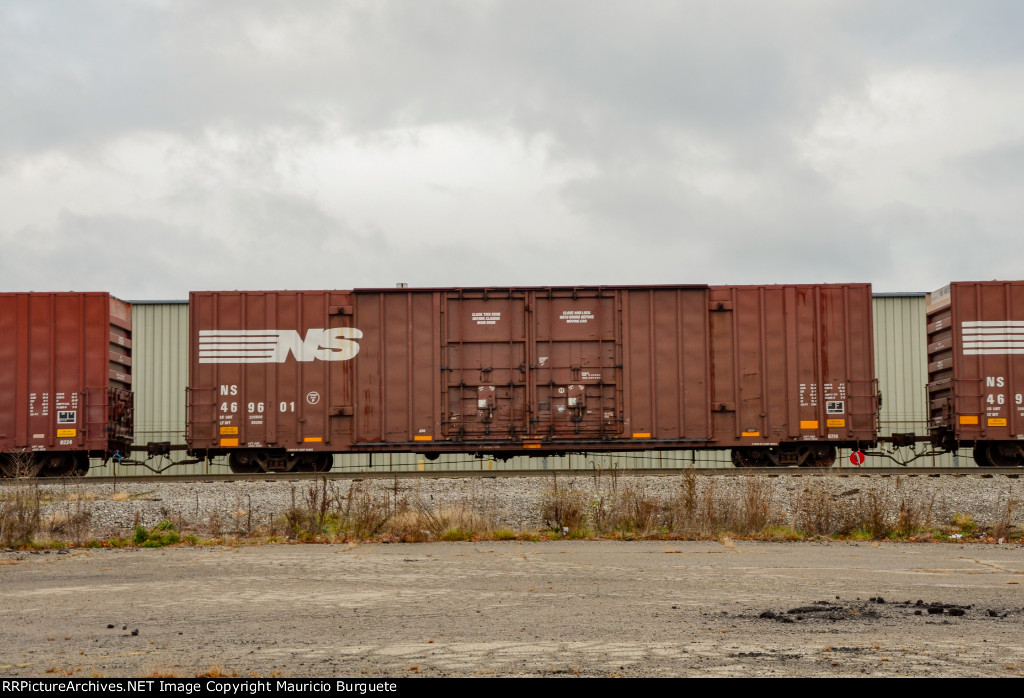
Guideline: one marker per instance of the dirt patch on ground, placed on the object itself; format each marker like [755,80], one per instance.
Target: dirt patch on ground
[600,608]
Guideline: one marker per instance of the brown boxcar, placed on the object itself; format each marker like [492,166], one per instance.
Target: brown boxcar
[782,375]
[976,369]
[65,381]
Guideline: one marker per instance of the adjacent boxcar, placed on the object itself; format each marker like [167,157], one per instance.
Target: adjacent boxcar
[782,375]
[65,381]
[976,369]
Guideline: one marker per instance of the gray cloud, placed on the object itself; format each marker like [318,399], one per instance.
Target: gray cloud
[999,166]
[215,145]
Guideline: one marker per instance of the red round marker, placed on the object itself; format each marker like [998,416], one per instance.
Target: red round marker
[857,457]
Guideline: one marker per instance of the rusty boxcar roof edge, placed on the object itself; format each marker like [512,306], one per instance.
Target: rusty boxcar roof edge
[580,287]
[64,293]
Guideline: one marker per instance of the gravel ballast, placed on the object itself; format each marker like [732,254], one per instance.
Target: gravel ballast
[517,503]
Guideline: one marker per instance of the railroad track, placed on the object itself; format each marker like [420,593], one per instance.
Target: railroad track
[481,474]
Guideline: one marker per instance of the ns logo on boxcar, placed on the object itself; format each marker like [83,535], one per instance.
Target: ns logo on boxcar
[275,346]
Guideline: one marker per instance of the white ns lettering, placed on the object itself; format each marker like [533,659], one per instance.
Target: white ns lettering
[276,346]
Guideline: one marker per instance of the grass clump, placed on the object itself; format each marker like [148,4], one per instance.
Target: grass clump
[456,534]
[781,532]
[164,533]
[964,523]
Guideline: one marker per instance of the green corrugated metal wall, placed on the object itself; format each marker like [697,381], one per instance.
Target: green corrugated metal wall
[901,365]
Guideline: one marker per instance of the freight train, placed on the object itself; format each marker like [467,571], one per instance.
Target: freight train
[780,375]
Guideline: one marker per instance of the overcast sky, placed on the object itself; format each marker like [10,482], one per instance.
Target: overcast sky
[152,148]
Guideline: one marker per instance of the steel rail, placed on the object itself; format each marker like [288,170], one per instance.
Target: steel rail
[383,474]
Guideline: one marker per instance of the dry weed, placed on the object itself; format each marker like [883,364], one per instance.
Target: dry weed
[757,511]
[452,522]
[913,517]
[818,512]
[364,515]
[20,513]
[1003,527]
[631,512]
[71,519]
[563,508]
[696,509]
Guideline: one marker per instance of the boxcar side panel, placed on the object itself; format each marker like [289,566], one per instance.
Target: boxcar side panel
[667,364]
[574,358]
[65,373]
[792,363]
[976,366]
[271,370]
[485,357]
[396,374]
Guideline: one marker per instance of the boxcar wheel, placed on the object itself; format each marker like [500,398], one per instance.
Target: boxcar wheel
[289,462]
[19,465]
[242,464]
[63,464]
[825,458]
[322,462]
[981,456]
[81,465]
[1003,456]
[749,458]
